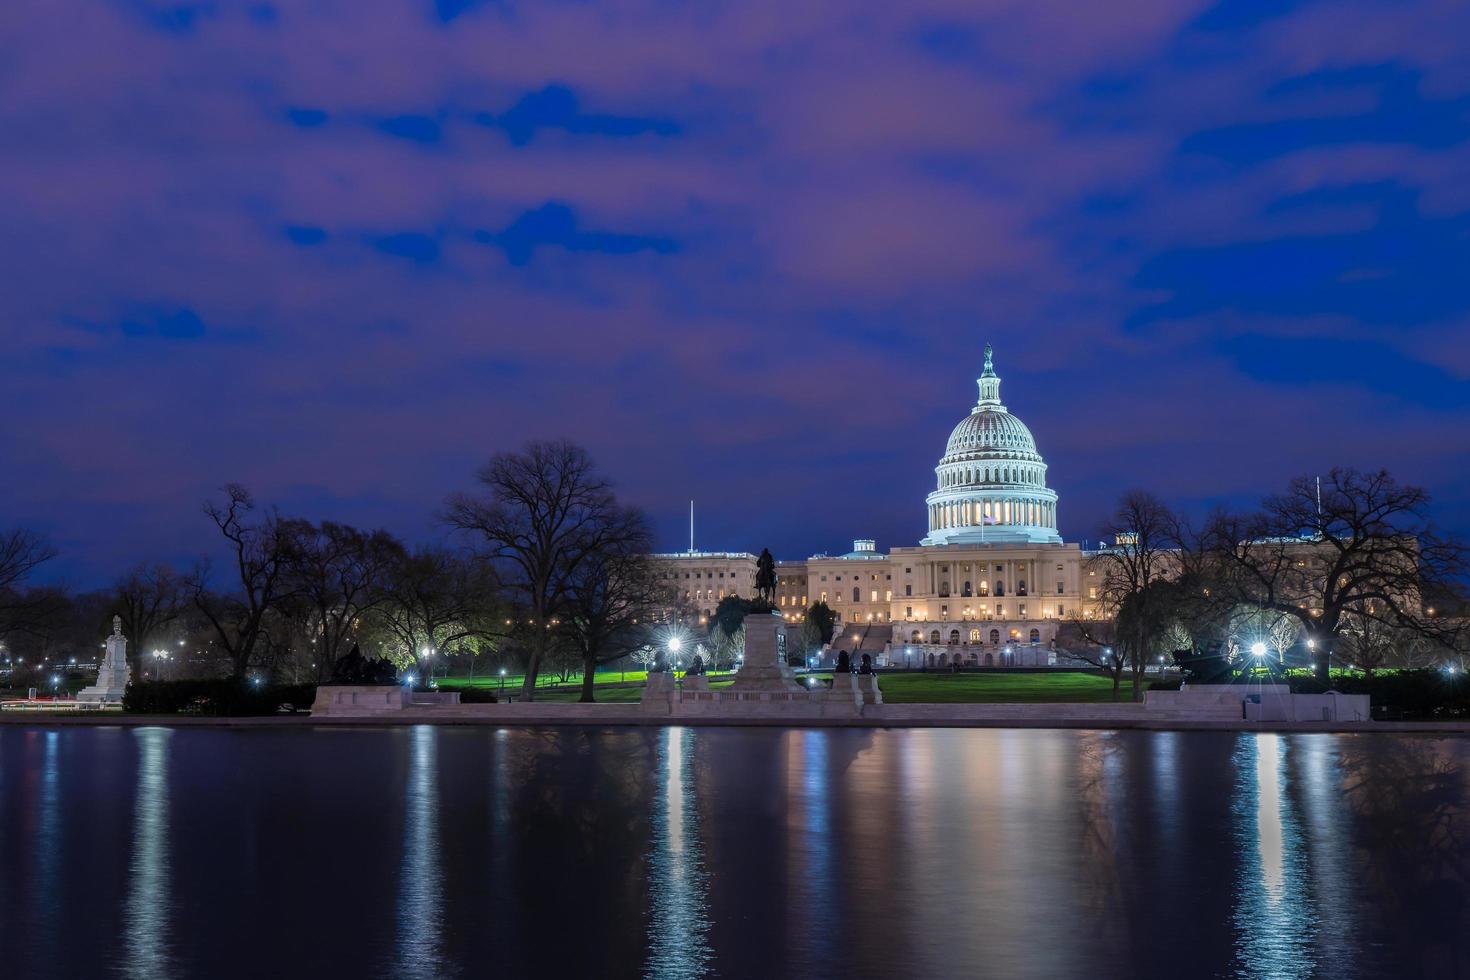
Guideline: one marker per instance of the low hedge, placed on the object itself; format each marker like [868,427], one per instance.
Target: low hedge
[475,695]
[1428,694]
[226,697]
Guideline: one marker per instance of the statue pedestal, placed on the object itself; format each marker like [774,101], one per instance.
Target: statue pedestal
[868,686]
[845,690]
[696,682]
[658,694]
[765,667]
[112,676]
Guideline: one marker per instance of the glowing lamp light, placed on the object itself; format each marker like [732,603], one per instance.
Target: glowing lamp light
[675,644]
[1258,648]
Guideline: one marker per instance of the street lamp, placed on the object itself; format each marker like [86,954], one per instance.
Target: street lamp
[502,681]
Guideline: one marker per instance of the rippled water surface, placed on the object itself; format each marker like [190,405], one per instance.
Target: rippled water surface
[458,852]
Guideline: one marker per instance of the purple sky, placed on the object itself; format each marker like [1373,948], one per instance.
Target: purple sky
[747,253]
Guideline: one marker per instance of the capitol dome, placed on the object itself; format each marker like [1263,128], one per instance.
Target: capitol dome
[991,480]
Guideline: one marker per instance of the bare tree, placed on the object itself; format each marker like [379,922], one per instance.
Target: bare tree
[22,551]
[437,601]
[337,575]
[148,598]
[259,554]
[1361,549]
[538,516]
[1145,536]
[1094,642]
[615,595]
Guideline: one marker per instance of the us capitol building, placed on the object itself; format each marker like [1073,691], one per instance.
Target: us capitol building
[989,585]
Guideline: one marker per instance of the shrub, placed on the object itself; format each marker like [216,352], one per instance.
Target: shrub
[1428,694]
[220,697]
[476,695]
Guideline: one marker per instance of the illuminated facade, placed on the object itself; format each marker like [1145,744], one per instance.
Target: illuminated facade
[989,585]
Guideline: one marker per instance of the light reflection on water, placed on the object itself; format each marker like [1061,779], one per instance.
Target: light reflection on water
[149,908]
[421,894]
[48,855]
[700,852]
[1274,913]
[678,921]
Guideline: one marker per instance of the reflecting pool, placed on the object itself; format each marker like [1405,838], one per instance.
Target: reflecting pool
[734,852]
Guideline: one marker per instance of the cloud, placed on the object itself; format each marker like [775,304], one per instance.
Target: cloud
[686,234]
[556,224]
[557,107]
[423,249]
[306,118]
[417,129]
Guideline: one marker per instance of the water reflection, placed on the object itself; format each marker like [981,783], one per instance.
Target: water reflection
[679,921]
[1407,799]
[744,852]
[46,909]
[1274,916]
[149,903]
[420,893]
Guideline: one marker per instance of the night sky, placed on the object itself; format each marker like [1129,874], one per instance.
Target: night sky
[745,252]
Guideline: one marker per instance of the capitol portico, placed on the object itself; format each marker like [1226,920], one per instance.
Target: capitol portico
[989,585]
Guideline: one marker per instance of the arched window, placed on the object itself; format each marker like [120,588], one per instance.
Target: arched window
[944,589]
[954,637]
[1035,637]
[1000,587]
[995,636]
[916,637]
[857,594]
[967,589]
[984,587]
[974,636]
[933,636]
[1020,587]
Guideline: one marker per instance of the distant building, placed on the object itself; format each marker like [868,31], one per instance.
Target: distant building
[989,585]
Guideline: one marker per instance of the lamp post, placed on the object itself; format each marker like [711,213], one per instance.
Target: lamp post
[502,682]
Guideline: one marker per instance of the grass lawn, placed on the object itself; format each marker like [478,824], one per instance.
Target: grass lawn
[899,687]
[906,687]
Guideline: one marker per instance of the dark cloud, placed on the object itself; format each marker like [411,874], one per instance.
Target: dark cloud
[1399,114]
[306,234]
[344,252]
[557,225]
[306,118]
[558,107]
[409,245]
[1406,269]
[417,129]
